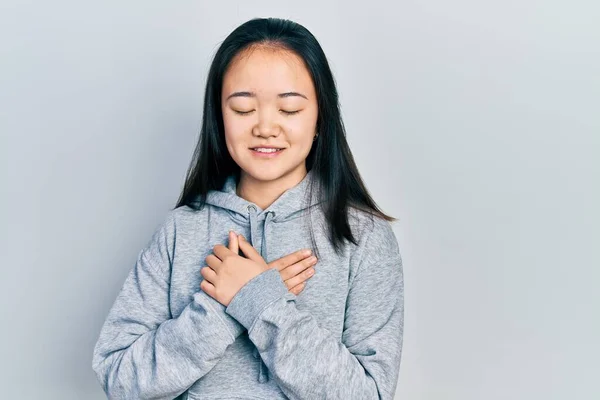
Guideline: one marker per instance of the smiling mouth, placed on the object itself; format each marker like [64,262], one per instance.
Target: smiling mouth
[264,150]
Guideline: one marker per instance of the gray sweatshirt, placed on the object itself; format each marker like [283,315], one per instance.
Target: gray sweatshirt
[340,338]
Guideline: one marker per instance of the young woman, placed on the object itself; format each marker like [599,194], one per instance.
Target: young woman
[222,303]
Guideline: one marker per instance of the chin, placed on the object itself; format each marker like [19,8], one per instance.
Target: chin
[263,175]
[267,173]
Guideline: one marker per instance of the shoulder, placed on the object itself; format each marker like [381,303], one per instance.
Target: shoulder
[377,253]
[185,215]
[179,219]
[377,250]
[371,231]
[179,222]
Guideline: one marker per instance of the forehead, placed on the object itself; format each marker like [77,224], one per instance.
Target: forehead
[267,71]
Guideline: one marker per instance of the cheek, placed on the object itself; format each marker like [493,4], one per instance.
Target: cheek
[229,123]
[234,132]
[301,133]
[301,143]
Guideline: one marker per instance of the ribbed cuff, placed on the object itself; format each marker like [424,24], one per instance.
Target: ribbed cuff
[255,296]
[233,326]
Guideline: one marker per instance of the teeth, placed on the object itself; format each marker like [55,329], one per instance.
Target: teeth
[263,150]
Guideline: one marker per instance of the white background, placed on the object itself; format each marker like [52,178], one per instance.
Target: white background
[476,123]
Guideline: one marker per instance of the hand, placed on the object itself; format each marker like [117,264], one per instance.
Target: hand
[295,268]
[227,272]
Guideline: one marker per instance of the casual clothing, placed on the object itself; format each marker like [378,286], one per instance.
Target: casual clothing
[340,338]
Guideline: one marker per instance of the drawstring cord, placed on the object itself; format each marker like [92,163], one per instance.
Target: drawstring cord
[263,371]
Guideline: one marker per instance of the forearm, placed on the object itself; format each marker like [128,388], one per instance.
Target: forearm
[132,362]
[307,361]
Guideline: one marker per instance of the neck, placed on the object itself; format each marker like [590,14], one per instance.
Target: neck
[264,193]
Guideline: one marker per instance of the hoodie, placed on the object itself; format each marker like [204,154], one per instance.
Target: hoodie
[340,338]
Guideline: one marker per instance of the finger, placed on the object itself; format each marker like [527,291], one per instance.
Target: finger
[234,244]
[295,269]
[209,274]
[213,261]
[301,277]
[249,251]
[222,252]
[208,288]
[297,289]
[290,259]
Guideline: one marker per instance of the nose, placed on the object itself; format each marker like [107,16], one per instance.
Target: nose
[267,126]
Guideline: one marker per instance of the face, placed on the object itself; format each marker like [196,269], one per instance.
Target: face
[270,114]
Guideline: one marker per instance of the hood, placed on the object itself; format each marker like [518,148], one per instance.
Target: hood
[289,205]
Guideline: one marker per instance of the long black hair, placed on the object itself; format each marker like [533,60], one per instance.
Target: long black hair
[330,159]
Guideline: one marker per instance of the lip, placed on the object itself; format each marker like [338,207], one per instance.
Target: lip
[267,155]
[267,146]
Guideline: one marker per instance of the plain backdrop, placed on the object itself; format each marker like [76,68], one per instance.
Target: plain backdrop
[476,123]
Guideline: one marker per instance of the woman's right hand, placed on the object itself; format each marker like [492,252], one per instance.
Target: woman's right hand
[295,269]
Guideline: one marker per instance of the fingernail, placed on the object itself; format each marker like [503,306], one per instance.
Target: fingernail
[313,259]
[307,252]
[311,271]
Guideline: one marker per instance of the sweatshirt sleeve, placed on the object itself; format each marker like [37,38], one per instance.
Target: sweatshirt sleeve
[307,361]
[142,351]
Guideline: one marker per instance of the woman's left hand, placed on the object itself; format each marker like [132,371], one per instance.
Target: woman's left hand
[227,272]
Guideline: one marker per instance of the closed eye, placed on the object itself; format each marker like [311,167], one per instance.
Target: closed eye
[284,111]
[242,112]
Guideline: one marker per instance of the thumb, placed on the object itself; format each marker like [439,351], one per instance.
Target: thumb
[234,243]
[249,250]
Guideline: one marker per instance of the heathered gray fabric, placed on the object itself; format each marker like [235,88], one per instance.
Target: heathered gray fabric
[340,338]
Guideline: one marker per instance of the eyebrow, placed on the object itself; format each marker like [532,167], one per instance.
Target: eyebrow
[252,94]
